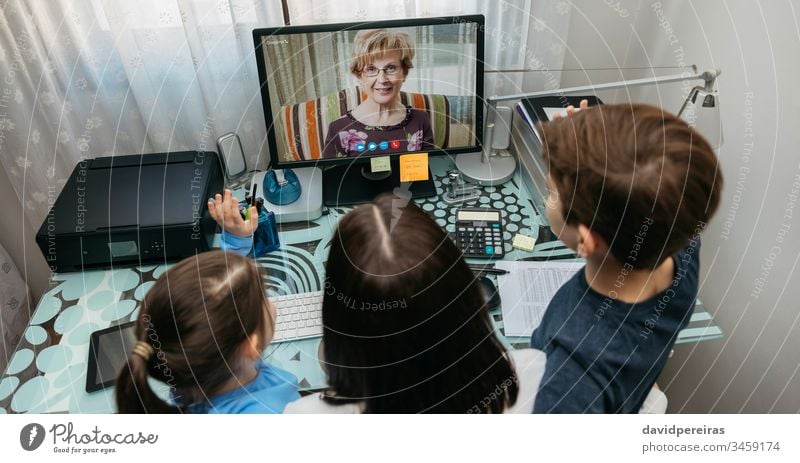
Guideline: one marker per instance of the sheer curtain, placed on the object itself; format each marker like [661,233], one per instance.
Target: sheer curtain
[520,34]
[87,78]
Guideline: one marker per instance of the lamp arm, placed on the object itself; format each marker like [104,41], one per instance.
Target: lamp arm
[708,76]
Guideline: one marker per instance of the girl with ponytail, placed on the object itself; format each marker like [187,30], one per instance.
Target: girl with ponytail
[200,334]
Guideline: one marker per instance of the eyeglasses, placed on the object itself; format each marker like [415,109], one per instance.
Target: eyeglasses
[372,71]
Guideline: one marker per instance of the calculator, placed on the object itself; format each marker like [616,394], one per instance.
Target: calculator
[479,232]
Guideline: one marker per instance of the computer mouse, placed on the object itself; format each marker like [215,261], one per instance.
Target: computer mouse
[490,292]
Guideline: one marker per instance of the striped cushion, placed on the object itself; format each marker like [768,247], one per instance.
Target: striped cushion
[307,122]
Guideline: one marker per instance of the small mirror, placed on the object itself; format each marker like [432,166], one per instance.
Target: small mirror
[232,155]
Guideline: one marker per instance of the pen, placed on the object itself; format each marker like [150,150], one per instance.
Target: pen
[252,201]
[489,270]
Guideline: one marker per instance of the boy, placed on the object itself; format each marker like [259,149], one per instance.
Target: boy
[630,189]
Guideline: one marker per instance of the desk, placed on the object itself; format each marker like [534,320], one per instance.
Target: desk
[47,373]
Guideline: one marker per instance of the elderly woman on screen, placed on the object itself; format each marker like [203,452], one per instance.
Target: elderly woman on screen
[381,124]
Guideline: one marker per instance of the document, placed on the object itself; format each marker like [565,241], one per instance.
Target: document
[526,290]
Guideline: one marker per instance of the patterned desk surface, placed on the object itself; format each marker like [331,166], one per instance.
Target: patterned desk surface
[47,373]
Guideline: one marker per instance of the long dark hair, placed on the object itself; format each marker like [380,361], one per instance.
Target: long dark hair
[196,317]
[406,328]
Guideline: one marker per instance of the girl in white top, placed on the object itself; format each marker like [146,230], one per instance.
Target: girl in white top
[528,365]
[406,328]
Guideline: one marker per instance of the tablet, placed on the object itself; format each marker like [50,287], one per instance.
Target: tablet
[109,350]
[546,107]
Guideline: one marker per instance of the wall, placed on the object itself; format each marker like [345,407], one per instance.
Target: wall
[752,247]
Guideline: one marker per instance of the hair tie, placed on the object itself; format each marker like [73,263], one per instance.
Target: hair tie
[143,350]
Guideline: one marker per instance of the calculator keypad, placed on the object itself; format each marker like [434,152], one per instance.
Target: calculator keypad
[480,239]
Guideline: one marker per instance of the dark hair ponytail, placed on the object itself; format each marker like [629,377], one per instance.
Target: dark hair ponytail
[134,394]
[193,322]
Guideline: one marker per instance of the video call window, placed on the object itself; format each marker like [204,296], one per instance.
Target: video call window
[325,88]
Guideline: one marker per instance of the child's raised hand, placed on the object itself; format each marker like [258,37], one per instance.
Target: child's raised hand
[584,104]
[225,210]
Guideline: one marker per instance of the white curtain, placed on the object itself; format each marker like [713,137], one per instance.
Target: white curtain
[87,78]
[520,34]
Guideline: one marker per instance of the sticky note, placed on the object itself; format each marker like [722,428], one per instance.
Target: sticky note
[380,164]
[413,167]
[523,242]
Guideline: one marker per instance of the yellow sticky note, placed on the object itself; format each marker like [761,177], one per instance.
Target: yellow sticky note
[414,167]
[380,164]
[524,242]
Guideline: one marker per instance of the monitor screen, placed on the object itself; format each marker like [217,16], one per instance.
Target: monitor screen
[343,92]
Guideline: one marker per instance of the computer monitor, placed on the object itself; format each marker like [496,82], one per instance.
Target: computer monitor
[337,95]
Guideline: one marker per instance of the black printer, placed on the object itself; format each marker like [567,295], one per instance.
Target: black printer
[127,210]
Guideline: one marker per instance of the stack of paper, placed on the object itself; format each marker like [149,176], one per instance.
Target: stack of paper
[526,290]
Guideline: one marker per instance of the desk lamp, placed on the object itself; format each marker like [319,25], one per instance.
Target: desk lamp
[700,110]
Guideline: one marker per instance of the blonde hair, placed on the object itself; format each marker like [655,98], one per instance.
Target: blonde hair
[373,43]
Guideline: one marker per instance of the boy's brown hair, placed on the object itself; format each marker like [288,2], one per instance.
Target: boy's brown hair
[638,176]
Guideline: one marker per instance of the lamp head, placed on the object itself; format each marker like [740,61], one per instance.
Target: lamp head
[701,111]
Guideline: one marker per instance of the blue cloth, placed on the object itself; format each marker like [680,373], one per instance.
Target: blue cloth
[604,355]
[238,244]
[269,392]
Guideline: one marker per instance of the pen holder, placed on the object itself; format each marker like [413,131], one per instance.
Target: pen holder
[266,238]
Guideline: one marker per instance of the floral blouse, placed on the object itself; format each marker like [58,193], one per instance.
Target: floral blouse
[349,137]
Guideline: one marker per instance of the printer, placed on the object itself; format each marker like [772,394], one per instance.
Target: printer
[127,210]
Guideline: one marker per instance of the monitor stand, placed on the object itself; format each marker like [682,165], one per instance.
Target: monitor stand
[354,183]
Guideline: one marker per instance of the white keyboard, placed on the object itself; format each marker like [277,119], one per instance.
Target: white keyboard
[299,316]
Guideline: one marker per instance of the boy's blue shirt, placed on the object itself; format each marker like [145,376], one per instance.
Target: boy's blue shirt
[604,355]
